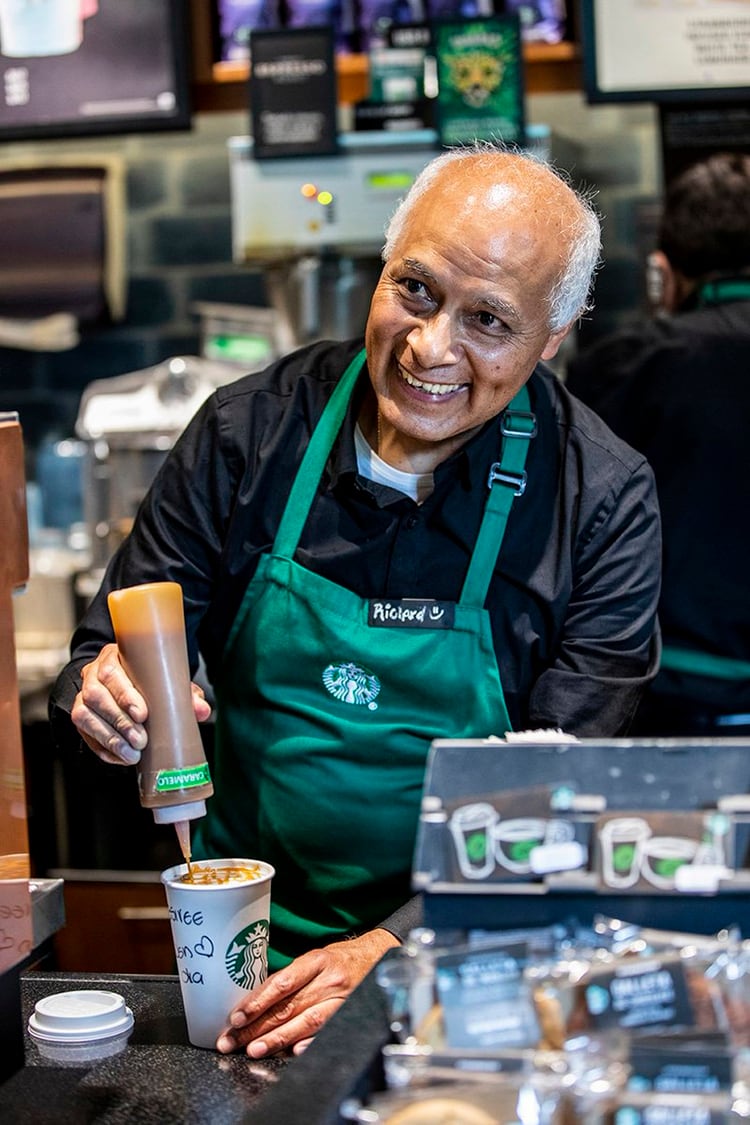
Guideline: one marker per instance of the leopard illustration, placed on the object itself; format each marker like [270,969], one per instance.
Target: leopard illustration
[476,76]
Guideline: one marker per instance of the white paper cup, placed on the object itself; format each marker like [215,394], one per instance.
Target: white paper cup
[40,27]
[220,933]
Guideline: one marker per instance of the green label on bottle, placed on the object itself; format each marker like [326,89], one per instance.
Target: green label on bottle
[189,777]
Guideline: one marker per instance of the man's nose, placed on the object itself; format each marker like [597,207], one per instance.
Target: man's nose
[432,341]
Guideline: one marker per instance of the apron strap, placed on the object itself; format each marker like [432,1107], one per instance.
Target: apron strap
[704,664]
[310,471]
[723,291]
[507,479]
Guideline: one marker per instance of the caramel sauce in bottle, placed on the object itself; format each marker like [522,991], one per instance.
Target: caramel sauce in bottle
[173,775]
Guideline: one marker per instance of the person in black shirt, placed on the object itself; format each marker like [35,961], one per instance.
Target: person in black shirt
[678,390]
[422,537]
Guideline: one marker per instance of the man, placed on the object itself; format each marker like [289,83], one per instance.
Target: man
[678,390]
[354,605]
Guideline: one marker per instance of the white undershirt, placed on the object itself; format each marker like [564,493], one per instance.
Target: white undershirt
[418,486]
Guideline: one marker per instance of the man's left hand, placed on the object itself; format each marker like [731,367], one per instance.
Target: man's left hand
[286,1012]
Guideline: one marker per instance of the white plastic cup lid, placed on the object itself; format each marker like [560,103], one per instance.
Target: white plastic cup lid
[85,1016]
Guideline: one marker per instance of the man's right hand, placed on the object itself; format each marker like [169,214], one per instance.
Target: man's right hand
[110,713]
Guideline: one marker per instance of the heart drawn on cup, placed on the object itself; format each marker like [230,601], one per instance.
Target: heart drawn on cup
[204,947]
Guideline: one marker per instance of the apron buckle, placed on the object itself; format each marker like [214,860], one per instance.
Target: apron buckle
[498,474]
[518,423]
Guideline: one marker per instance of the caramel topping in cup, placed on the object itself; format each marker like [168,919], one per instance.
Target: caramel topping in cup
[206,875]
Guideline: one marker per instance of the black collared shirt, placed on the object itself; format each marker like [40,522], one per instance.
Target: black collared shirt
[678,390]
[573,595]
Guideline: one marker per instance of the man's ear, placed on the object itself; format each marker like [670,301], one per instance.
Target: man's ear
[662,285]
[554,341]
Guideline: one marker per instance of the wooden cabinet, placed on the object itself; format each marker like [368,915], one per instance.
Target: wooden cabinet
[114,926]
[223,86]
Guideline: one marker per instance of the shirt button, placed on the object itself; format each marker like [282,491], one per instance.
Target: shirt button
[411,522]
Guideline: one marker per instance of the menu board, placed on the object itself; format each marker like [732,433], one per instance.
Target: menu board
[293,93]
[657,50]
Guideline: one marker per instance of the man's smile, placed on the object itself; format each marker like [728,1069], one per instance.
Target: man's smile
[436,389]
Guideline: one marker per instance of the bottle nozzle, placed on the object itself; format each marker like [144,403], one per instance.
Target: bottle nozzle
[170,814]
[182,827]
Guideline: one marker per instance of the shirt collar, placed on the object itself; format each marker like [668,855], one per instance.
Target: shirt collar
[470,464]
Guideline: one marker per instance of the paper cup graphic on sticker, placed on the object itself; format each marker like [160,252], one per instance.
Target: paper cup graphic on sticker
[220,929]
[663,856]
[622,840]
[471,828]
[514,841]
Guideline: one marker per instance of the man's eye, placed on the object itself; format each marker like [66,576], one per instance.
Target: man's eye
[490,322]
[414,286]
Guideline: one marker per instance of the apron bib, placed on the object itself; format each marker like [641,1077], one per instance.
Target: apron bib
[326,709]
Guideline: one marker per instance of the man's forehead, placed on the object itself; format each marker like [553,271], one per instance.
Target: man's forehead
[534,190]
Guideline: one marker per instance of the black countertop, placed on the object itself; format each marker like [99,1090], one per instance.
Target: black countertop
[160,1078]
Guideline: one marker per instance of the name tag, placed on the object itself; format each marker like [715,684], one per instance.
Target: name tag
[411,613]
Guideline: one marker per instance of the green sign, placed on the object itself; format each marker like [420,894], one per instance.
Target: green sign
[480,80]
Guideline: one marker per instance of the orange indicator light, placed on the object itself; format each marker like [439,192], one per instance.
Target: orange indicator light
[309,191]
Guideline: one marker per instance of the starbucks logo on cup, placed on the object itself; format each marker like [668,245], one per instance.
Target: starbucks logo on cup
[352,684]
[246,958]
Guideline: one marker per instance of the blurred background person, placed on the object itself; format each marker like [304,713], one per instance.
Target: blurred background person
[677,388]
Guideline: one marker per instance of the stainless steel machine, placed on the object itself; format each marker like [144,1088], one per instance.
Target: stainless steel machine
[129,423]
[316,225]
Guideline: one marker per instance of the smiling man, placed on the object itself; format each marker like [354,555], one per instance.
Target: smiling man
[425,537]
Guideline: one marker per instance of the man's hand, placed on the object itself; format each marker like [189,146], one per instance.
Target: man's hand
[293,1004]
[109,712]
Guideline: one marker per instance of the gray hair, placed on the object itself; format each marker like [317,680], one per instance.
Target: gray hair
[570,296]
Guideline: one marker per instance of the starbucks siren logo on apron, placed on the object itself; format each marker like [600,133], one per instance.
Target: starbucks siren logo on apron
[352,684]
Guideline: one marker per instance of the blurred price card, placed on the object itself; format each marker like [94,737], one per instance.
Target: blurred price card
[480,80]
[293,93]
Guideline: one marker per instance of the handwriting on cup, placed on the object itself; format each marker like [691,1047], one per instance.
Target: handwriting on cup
[202,947]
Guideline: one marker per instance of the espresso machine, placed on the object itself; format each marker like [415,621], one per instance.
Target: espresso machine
[315,225]
[128,424]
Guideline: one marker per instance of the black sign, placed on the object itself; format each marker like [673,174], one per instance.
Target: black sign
[293,93]
[411,613]
[483,998]
[683,1063]
[644,994]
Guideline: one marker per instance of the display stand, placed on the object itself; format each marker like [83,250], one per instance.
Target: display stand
[661,777]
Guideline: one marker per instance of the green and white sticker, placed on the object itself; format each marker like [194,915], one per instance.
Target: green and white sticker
[188,777]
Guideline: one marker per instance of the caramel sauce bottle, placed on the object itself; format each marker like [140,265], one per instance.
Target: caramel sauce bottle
[173,774]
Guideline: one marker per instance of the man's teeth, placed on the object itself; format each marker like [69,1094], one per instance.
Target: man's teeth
[430,388]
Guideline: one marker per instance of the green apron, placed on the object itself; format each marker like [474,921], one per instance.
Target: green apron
[326,705]
[696,663]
